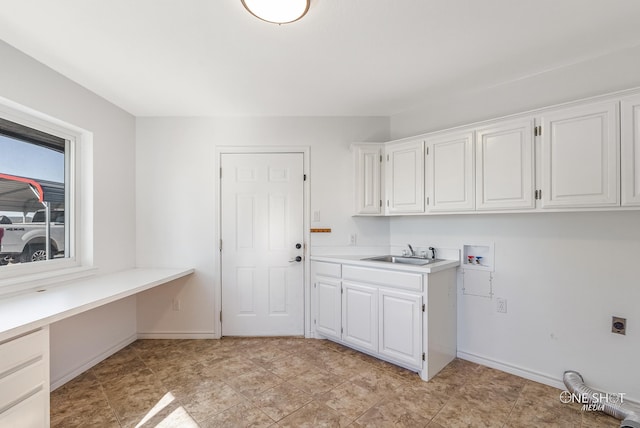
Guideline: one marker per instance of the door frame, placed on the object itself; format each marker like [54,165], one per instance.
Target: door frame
[306,209]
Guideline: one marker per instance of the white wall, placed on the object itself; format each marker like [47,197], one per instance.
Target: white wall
[28,82]
[176,202]
[563,274]
[608,73]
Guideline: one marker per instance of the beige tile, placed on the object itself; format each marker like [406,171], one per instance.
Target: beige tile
[288,367]
[212,383]
[314,415]
[281,400]
[349,400]
[122,362]
[316,382]
[240,416]
[254,382]
[391,414]
[378,381]
[210,399]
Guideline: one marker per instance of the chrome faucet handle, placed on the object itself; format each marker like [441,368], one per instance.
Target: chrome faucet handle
[433,253]
[411,250]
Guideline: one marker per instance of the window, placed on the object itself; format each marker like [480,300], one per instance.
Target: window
[37,198]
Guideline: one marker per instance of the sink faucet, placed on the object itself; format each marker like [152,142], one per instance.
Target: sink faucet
[411,250]
[433,252]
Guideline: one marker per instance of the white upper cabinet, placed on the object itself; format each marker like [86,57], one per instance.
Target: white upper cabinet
[450,172]
[630,130]
[505,166]
[580,157]
[405,177]
[368,178]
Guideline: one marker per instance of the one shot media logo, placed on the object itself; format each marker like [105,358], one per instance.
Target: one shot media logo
[594,401]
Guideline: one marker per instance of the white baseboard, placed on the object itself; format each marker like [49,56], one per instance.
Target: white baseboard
[514,370]
[57,383]
[178,335]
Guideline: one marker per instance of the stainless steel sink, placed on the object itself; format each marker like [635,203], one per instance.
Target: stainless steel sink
[419,261]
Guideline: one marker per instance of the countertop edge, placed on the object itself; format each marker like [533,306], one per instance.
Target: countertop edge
[357,261]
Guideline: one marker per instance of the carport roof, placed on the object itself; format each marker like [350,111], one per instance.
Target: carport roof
[23,194]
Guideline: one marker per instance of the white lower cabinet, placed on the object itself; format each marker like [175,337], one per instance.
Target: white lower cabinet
[381,312]
[400,327]
[360,315]
[24,380]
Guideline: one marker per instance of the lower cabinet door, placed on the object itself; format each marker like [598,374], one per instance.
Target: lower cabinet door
[360,316]
[400,326]
[328,306]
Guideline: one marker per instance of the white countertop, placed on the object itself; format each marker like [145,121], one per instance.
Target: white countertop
[31,310]
[358,261]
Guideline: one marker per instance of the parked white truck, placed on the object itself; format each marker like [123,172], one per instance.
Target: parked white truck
[25,242]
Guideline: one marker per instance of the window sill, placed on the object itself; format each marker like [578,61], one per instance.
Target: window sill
[27,283]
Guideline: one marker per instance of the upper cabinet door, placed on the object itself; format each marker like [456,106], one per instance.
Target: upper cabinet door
[450,172]
[630,130]
[505,166]
[367,161]
[405,177]
[580,157]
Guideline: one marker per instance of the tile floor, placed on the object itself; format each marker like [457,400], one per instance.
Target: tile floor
[291,382]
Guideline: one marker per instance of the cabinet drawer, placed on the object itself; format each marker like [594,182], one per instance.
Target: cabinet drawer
[387,278]
[21,384]
[30,413]
[327,269]
[15,352]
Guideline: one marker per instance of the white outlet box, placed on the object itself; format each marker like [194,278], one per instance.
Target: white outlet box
[316,216]
[175,305]
[501,305]
[352,239]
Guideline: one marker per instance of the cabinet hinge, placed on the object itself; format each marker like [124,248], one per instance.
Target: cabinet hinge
[341,330]
[427,151]
[537,131]
[304,177]
[341,290]
[221,316]
[220,172]
[380,158]
[423,307]
[538,194]
[315,285]
[221,245]
[314,321]
[427,200]
[424,357]
[380,203]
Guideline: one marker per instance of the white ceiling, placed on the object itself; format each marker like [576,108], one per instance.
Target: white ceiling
[346,57]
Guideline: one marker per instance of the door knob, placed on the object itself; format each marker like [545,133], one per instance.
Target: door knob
[297,259]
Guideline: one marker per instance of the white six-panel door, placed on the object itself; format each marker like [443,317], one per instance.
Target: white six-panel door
[261,224]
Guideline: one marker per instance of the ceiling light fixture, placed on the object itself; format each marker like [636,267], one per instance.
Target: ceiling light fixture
[277,11]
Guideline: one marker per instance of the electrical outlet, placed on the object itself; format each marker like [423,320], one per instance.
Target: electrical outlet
[501,305]
[619,325]
[316,216]
[352,239]
[175,305]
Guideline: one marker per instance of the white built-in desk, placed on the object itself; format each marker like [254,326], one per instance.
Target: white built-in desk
[24,335]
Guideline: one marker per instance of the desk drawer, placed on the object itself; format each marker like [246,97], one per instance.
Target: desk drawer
[327,269]
[18,351]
